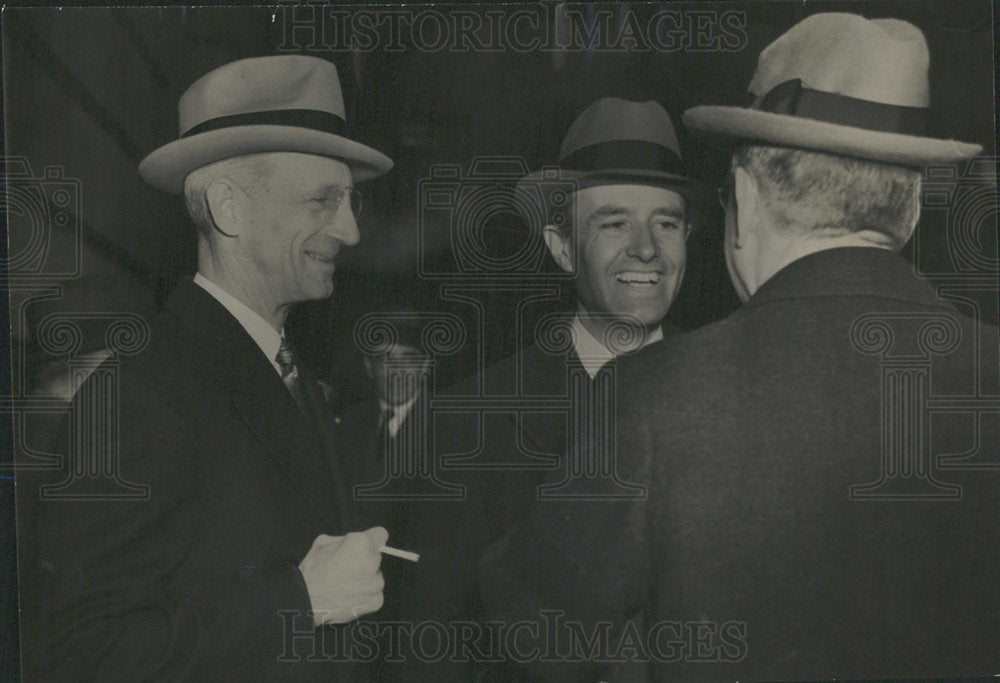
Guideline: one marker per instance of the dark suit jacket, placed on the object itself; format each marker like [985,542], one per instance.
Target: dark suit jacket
[512,452]
[361,441]
[190,583]
[751,553]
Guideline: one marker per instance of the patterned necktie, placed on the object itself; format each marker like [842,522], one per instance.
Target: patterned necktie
[290,374]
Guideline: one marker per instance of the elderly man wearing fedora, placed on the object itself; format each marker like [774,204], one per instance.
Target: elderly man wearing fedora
[238,564]
[796,525]
[621,232]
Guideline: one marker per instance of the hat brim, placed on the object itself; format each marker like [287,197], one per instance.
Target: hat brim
[793,131]
[547,183]
[167,167]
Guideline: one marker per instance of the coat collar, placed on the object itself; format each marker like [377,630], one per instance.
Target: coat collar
[848,272]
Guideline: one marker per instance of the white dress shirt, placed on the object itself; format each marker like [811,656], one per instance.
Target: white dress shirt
[399,414]
[592,352]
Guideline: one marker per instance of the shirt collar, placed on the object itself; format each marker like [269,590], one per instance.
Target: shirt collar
[261,331]
[593,353]
[398,413]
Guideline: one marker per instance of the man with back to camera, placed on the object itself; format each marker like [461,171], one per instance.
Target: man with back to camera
[239,558]
[797,525]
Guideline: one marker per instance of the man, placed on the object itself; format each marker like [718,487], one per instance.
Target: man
[621,232]
[238,559]
[377,428]
[622,235]
[797,526]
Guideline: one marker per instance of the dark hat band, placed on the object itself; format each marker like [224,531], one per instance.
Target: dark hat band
[322,121]
[791,99]
[640,155]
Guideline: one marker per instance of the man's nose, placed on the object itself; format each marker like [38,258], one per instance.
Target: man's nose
[344,226]
[642,244]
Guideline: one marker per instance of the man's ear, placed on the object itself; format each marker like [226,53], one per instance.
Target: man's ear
[560,246]
[916,208]
[746,196]
[223,199]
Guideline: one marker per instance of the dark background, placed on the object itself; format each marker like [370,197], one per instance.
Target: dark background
[92,91]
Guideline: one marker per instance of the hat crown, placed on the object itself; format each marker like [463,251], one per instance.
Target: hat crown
[879,60]
[611,119]
[284,82]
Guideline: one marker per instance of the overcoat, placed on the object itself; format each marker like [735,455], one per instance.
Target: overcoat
[822,497]
[199,579]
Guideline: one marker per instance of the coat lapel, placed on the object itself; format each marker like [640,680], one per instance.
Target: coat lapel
[322,419]
[261,400]
[545,375]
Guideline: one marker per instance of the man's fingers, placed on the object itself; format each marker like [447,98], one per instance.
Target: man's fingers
[377,536]
[357,549]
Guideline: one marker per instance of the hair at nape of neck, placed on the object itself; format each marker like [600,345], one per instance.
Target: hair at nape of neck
[829,195]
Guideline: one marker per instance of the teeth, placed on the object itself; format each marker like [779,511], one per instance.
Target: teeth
[320,257]
[637,277]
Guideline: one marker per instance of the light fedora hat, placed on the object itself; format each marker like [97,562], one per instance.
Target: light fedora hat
[286,103]
[840,83]
[617,141]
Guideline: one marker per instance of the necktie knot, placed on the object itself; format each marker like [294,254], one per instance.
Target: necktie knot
[285,359]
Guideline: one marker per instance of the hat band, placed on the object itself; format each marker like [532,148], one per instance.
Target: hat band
[621,154]
[791,99]
[315,119]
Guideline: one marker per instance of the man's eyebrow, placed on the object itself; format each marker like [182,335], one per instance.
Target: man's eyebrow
[609,210]
[323,187]
[670,212]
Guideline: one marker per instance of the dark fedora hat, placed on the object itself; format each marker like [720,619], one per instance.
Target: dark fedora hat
[840,83]
[285,103]
[616,141]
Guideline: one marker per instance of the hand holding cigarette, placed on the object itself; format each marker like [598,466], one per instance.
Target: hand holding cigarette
[395,552]
[342,575]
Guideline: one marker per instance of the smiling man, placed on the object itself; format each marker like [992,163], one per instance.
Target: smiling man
[624,235]
[627,252]
[621,233]
[239,561]
[803,519]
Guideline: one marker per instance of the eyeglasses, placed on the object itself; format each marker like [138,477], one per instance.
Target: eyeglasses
[333,200]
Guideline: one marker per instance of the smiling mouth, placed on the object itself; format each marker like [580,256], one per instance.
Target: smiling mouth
[322,258]
[637,278]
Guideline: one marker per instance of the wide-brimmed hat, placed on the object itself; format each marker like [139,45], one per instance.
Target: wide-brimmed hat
[616,141]
[843,84]
[288,103]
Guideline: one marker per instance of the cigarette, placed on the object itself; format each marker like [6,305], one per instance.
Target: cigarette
[405,554]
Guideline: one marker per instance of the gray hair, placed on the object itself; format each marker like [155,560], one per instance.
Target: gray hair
[250,172]
[829,194]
